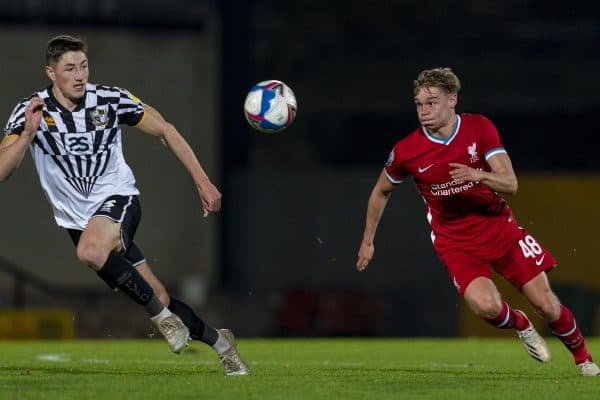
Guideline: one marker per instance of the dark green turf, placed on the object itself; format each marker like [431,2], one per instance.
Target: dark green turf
[292,369]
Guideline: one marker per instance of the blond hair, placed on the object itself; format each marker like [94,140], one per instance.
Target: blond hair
[442,78]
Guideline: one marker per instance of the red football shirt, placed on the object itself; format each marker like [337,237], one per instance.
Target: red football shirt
[463,215]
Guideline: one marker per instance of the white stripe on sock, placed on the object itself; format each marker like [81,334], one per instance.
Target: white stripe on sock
[506,318]
[568,333]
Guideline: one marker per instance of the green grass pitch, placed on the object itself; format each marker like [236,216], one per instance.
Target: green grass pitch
[292,369]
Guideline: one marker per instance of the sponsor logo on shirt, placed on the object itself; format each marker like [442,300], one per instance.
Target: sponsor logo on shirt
[49,120]
[450,188]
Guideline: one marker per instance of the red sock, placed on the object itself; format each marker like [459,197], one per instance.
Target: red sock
[566,329]
[508,319]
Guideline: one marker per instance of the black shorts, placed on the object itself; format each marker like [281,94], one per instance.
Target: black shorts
[127,211]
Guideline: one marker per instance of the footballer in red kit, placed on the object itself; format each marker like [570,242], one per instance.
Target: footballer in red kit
[455,207]
[465,215]
[461,168]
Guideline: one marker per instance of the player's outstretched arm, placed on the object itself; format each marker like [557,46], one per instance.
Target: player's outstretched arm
[13,147]
[155,125]
[377,201]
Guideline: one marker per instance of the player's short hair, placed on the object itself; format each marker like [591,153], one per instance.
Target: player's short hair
[61,44]
[443,78]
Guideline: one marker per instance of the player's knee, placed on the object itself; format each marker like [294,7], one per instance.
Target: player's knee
[547,305]
[91,255]
[549,310]
[486,306]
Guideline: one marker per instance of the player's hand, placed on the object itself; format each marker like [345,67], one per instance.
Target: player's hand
[365,254]
[33,116]
[463,172]
[210,196]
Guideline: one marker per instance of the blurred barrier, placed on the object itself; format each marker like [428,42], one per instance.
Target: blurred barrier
[22,278]
[351,312]
[37,324]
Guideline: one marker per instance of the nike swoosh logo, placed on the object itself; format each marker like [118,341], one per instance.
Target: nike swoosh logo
[421,170]
[540,261]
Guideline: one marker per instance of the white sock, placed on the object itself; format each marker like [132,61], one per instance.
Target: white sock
[165,312]
[222,344]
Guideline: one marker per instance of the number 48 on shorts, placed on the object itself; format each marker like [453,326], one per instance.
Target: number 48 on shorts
[530,247]
[534,254]
[526,259]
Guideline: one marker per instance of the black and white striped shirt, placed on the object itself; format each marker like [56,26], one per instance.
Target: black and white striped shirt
[78,154]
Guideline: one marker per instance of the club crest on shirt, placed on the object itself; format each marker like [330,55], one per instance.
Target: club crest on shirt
[100,115]
[390,159]
[472,150]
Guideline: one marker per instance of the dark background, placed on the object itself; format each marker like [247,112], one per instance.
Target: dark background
[279,259]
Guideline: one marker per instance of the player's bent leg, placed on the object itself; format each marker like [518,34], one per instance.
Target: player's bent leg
[221,340]
[537,291]
[483,297]
[96,247]
[561,321]
[118,272]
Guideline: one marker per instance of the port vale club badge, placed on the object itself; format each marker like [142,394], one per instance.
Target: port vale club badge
[100,116]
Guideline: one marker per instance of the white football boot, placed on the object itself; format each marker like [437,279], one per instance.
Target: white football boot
[175,331]
[589,368]
[534,344]
[233,365]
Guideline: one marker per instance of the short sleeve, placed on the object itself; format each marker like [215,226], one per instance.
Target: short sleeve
[16,121]
[490,139]
[393,167]
[130,109]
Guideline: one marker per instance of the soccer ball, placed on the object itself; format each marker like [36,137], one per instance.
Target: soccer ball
[270,106]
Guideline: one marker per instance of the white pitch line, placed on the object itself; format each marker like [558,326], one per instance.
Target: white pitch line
[53,357]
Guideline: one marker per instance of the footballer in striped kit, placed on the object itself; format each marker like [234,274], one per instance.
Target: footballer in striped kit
[72,129]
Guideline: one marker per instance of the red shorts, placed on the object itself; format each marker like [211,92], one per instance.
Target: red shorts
[523,260]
